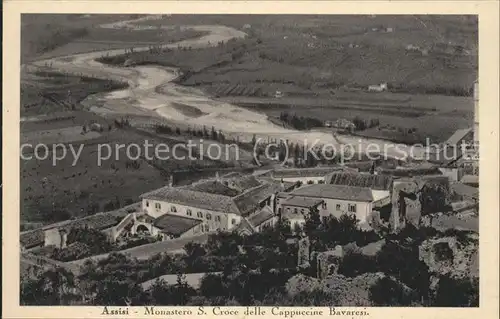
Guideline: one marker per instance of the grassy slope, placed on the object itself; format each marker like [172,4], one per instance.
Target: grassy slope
[50,35]
[42,33]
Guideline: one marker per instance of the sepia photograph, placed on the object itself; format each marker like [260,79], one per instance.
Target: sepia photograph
[253,160]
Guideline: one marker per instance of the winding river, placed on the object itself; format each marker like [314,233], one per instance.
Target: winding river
[151,91]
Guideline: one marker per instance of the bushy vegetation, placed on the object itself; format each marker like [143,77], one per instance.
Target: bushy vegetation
[300,123]
[61,92]
[253,270]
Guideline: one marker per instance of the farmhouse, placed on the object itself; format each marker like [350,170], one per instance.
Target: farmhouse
[460,136]
[374,182]
[294,208]
[378,88]
[340,124]
[263,219]
[338,200]
[208,205]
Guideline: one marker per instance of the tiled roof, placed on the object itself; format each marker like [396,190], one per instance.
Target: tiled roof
[300,201]
[244,226]
[99,221]
[361,194]
[470,179]
[446,156]
[304,172]
[232,175]
[376,182]
[263,215]
[175,225]
[465,190]
[244,182]
[228,201]
[250,200]
[213,187]
[458,136]
[185,196]
[409,172]
[32,238]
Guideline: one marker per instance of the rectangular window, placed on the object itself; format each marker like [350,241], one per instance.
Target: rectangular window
[217,218]
[233,221]
[352,208]
[189,212]
[200,214]
[337,207]
[147,203]
[324,205]
[209,216]
[173,209]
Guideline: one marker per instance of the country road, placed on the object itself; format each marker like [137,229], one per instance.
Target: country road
[151,91]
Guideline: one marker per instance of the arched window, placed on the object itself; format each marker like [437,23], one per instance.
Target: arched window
[147,203]
[209,216]
[173,209]
[352,208]
[189,212]
[200,214]
[217,218]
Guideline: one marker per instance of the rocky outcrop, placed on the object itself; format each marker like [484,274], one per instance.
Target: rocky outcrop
[457,257]
[349,291]
[328,262]
[411,199]
[304,252]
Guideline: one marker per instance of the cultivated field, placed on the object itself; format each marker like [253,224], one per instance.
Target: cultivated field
[433,116]
[46,92]
[72,188]
[314,59]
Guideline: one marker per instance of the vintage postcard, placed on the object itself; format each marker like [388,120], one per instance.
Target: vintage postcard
[250,159]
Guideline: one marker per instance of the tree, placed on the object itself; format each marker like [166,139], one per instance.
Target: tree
[194,254]
[312,223]
[454,292]
[355,264]
[254,140]
[433,199]
[359,123]
[389,292]
[214,134]
[212,286]
[53,287]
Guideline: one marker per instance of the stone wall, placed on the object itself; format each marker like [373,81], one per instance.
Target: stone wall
[407,199]
[456,257]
